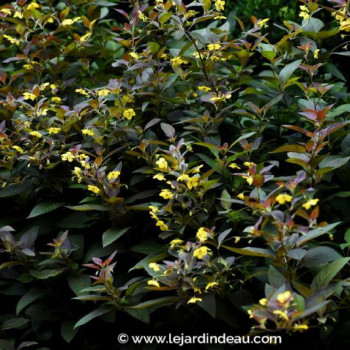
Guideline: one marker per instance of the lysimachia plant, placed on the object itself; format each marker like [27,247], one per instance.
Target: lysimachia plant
[211,159]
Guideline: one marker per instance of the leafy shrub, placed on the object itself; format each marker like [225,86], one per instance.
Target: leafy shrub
[212,168]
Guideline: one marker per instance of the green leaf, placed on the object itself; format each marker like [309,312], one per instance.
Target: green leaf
[88,207]
[155,303]
[93,314]
[316,233]
[289,148]
[225,196]
[288,70]
[44,207]
[333,162]
[206,5]
[275,277]
[14,190]
[347,236]
[327,273]
[208,304]
[142,315]
[14,323]
[311,310]
[318,256]
[93,297]
[270,55]
[67,330]
[261,252]
[28,298]
[112,235]
[312,25]
[78,220]
[339,110]
[77,283]
[164,17]
[45,274]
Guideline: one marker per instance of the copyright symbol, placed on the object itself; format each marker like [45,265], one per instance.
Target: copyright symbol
[123,338]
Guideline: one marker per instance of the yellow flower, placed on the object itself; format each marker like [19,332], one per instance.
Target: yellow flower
[248,178]
[284,297]
[94,189]
[85,36]
[234,166]
[87,132]
[162,163]
[204,88]
[316,54]
[29,96]
[220,98]
[194,300]
[153,215]
[175,242]
[11,39]
[219,17]
[103,92]
[53,87]
[68,156]
[199,253]
[263,22]
[183,177]
[18,14]
[18,149]
[28,66]
[219,5]
[82,156]
[81,91]
[281,314]
[54,130]
[134,55]
[196,170]
[69,22]
[113,175]
[211,285]
[166,194]
[263,301]
[202,234]
[153,283]
[142,16]
[159,177]
[78,173]
[249,164]
[177,61]
[300,327]
[310,203]
[6,11]
[192,182]
[41,112]
[250,313]
[154,266]
[212,47]
[282,198]
[32,6]
[345,25]
[129,113]
[304,15]
[153,209]
[162,225]
[36,134]
[56,99]
[240,196]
